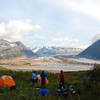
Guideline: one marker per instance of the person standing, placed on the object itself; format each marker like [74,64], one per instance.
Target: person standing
[43,79]
[61,79]
[33,78]
[38,79]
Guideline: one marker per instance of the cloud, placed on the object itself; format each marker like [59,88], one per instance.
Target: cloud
[65,39]
[96,37]
[17,29]
[87,7]
[53,39]
[82,46]
[50,41]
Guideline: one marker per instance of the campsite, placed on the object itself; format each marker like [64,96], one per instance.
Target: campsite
[49,49]
[25,91]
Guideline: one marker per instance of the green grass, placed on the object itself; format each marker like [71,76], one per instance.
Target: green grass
[3,68]
[25,90]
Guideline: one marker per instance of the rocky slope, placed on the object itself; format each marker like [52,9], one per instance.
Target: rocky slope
[92,52]
[14,49]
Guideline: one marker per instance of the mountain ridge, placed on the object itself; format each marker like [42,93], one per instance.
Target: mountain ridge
[14,49]
[92,52]
[49,51]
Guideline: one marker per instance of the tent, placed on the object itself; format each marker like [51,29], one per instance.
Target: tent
[6,81]
[1,82]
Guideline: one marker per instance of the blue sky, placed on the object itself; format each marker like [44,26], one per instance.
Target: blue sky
[50,22]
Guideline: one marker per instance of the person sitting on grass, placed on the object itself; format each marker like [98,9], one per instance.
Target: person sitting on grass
[43,79]
[33,78]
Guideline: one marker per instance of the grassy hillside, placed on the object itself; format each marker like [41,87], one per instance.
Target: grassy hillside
[3,68]
[25,91]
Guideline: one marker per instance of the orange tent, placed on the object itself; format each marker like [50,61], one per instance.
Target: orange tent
[1,82]
[7,81]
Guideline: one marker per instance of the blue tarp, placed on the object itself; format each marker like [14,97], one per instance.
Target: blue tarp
[43,91]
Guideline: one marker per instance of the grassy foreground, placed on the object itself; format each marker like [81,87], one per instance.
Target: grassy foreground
[3,68]
[25,90]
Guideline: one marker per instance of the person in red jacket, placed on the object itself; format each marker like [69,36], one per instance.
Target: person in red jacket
[61,79]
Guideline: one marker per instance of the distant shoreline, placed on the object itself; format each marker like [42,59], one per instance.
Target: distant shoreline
[50,68]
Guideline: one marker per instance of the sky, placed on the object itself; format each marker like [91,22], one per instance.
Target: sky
[37,23]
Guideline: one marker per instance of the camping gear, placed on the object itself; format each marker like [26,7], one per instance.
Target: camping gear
[43,91]
[61,92]
[7,81]
[74,90]
[1,82]
[47,81]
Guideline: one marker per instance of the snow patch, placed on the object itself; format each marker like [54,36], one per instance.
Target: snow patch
[12,45]
[36,50]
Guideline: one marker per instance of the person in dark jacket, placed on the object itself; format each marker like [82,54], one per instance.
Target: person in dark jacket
[43,79]
[61,79]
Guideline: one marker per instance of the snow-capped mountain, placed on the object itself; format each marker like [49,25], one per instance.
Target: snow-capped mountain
[49,51]
[14,49]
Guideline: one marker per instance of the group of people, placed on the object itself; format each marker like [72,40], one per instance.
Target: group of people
[42,79]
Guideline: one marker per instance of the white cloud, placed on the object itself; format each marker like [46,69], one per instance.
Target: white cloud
[16,29]
[54,39]
[65,39]
[96,37]
[82,46]
[88,7]
[49,41]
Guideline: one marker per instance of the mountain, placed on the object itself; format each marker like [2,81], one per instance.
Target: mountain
[44,51]
[92,52]
[14,49]
[50,51]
